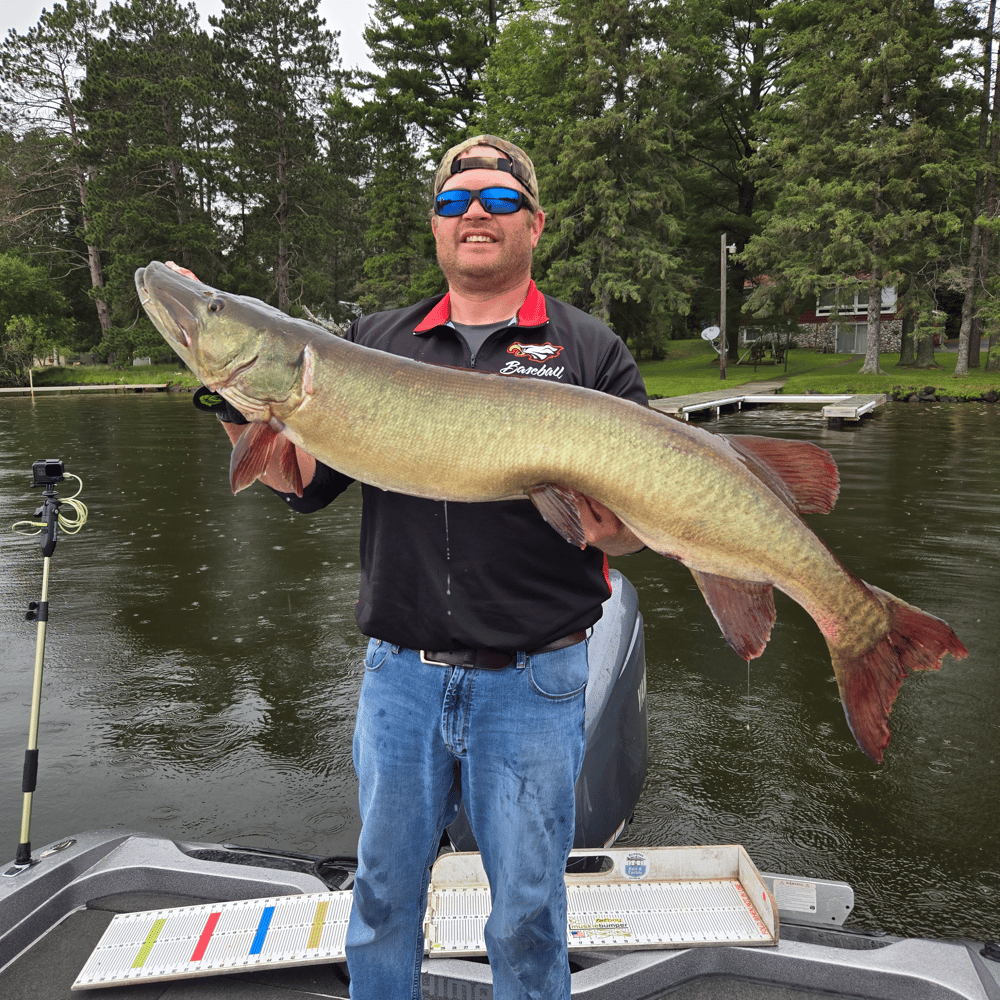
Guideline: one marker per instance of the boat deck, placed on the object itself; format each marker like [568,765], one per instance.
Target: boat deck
[53,915]
[47,970]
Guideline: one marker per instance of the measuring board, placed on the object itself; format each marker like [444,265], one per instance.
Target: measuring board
[715,896]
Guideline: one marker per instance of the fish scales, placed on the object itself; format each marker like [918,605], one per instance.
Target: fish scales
[728,507]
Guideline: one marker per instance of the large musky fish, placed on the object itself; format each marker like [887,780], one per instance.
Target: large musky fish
[449,434]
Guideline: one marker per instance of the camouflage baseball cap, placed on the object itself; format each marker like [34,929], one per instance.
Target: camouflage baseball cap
[514,161]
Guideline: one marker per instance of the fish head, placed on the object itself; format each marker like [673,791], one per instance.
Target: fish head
[251,353]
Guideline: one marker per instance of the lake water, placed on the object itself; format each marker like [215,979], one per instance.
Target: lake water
[202,662]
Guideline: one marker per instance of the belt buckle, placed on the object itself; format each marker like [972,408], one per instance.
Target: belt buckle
[431,663]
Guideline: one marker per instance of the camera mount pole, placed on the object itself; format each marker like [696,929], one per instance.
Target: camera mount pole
[37,611]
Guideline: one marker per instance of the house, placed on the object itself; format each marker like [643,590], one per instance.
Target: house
[839,322]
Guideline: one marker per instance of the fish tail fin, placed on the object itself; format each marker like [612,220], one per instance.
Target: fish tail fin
[869,681]
[258,450]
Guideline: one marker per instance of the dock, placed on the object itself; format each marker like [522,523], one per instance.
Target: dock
[113,387]
[833,408]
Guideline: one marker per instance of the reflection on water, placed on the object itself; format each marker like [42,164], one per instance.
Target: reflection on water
[202,662]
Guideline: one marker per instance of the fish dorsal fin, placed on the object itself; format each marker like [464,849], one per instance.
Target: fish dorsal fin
[801,473]
[557,504]
[744,611]
[260,449]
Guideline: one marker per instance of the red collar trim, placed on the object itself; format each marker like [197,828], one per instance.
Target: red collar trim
[531,313]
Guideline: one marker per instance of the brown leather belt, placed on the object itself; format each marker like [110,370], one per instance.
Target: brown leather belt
[493,659]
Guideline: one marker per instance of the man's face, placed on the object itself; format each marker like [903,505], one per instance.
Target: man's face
[480,252]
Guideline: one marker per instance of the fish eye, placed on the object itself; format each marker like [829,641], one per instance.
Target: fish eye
[216,305]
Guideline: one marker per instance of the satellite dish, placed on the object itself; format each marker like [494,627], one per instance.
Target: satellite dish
[710,333]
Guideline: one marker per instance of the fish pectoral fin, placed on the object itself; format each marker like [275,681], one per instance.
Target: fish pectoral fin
[259,450]
[803,474]
[869,680]
[251,453]
[744,611]
[558,505]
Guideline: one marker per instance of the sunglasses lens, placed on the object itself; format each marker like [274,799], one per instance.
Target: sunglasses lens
[500,200]
[453,202]
[495,200]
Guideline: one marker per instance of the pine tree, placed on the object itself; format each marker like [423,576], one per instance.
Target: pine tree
[729,55]
[277,63]
[143,94]
[589,92]
[984,212]
[847,137]
[427,95]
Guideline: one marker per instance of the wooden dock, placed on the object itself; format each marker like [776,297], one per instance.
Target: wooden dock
[113,387]
[834,409]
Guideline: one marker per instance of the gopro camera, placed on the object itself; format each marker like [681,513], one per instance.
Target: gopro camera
[46,472]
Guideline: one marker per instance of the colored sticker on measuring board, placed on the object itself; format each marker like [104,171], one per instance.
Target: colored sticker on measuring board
[262,928]
[147,945]
[256,945]
[636,865]
[206,935]
[590,926]
[316,930]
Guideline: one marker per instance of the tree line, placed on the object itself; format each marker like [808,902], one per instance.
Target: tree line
[834,143]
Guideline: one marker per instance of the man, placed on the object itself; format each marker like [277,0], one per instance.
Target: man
[476,669]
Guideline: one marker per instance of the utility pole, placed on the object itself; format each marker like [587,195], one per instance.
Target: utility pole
[722,311]
[723,268]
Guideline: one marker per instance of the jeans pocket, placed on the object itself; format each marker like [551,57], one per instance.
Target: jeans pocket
[376,654]
[562,673]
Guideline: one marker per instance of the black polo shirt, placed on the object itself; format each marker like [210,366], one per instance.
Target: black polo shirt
[445,575]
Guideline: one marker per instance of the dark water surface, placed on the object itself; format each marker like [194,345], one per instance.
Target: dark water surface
[202,662]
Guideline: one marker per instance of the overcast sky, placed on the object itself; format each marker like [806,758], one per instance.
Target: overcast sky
[346,16]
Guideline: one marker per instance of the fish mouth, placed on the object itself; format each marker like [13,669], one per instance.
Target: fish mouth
[165,291]
[241,369]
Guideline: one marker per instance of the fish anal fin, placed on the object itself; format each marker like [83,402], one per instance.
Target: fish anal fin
[869,681]
[743,609]
[557,504]
[804,474]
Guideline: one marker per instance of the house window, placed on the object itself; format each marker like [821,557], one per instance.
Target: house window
[852,301]
[852,338]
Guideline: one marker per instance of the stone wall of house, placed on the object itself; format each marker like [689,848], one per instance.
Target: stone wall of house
[823,336]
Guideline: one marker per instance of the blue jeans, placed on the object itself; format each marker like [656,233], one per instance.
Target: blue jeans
[510,744]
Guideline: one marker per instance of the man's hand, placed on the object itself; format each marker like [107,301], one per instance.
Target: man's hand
[182,270]
[603,529]
[211,402]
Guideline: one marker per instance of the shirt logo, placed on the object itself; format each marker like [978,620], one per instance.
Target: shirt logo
[537,352]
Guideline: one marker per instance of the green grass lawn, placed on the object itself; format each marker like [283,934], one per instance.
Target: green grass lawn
[110,375]
[691,366]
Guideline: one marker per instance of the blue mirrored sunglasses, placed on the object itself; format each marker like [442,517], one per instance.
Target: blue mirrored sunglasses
[495,200]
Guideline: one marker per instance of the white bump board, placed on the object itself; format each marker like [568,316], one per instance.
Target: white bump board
[666,897]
